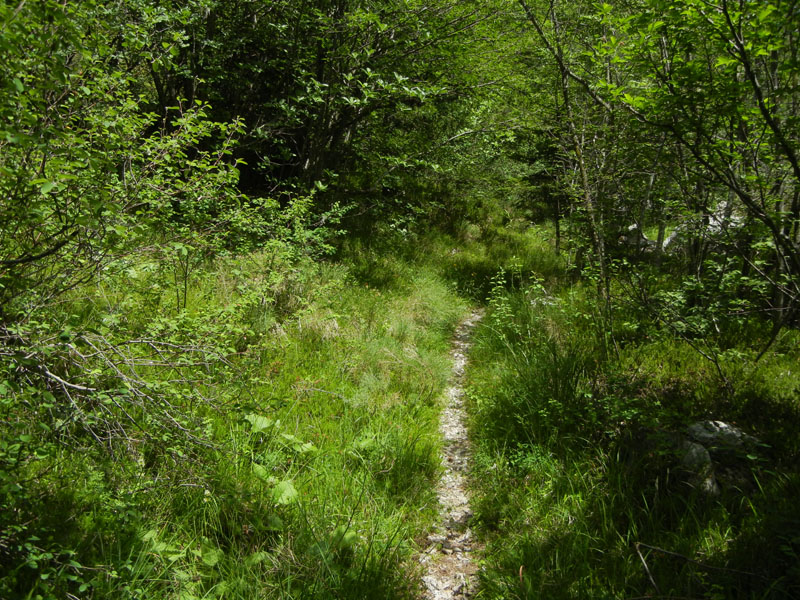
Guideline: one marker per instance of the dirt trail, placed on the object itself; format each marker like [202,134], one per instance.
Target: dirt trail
[449,568]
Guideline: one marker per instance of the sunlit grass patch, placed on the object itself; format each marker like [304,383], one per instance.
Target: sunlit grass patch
[284,441]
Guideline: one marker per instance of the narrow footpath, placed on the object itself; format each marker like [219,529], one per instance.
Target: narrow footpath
[450,571]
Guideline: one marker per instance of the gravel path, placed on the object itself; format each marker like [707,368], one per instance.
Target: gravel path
[449,567]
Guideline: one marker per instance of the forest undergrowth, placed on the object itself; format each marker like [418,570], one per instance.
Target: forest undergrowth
[266,426]
[272,433]
[584,482]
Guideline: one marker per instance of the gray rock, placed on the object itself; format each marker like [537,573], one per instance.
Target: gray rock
[697,460]
[696,457]
[726,447]
[718,434]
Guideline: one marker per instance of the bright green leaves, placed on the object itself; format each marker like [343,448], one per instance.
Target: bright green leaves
[637,102]
[765,11]
[339,544]
[256,558]
[296,444]
[604,8]
[211,556]
[259,424]
[284,493]
[47,186]
[262,473]
[79,149]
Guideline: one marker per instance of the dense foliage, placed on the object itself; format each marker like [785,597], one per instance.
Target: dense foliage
[233,233]
[662,143]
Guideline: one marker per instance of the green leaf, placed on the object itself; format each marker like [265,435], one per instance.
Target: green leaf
[634,101]
[18,84]
[262,474]
[211,556]
[256,558]
[47,186]
[284,493]
[765,12]
[297,444]
[259,423]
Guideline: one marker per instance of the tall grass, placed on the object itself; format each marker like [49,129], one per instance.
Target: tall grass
[304,449]
[580,488]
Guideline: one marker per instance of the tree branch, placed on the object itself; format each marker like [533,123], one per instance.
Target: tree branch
[560,59]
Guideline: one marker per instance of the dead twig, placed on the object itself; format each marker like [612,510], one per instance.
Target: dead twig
[695,562]
[646,568]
